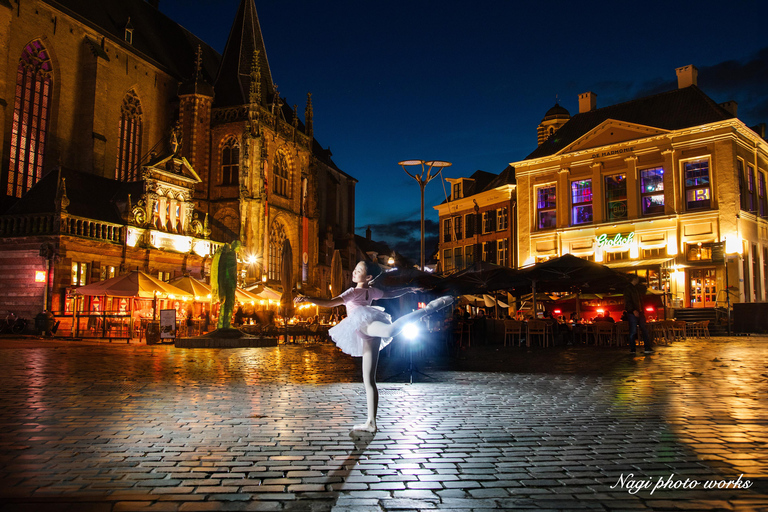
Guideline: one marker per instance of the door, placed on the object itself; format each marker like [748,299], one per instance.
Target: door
[702,287]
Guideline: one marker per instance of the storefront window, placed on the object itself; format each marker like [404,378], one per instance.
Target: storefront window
[616,196]
[581,202]
[697,188]
[546,205]
[652,191]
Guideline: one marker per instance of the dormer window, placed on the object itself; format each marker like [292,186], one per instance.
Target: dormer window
[457,191]
[129,32]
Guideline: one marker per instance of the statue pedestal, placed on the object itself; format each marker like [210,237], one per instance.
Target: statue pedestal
[225,338]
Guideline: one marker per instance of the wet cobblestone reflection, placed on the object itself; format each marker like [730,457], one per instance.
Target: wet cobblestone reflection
[125,427]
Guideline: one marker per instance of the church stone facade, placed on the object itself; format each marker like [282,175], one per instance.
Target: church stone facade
[128,143]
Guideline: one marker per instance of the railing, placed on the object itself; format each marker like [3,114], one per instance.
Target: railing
[49,224]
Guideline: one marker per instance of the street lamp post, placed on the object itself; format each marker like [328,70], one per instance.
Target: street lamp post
[422,179]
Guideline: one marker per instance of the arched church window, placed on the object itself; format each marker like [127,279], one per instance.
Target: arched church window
[129,141]
[34,81]
[281,176]
[276,239]
[230,162]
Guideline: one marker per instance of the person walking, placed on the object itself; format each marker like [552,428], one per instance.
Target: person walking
[633,306]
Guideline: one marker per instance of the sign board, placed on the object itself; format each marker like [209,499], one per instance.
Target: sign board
[718,252]
[617,240]
[167,324]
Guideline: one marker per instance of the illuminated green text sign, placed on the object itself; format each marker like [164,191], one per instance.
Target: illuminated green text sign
[617,240]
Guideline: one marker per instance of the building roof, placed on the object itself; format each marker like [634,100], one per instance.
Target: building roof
[155,36]
[91,197]
[507,177]
[557,112]
[233,82]
[673,110]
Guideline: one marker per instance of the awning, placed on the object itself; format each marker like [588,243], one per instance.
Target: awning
[639,263]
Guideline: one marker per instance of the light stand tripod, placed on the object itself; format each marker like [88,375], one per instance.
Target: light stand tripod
[411,367]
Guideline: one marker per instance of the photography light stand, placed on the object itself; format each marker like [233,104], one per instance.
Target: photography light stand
[411,337]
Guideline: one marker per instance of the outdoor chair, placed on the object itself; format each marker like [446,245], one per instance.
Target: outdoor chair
[678,330]
[603,333]
[512,328]
[622,333]
[464,328]
[700,329]
[542,329]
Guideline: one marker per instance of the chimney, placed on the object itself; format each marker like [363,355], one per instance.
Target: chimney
[687,76]
[731,106]
[368,233]
[587,102]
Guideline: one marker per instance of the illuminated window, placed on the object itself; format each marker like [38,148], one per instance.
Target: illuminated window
[129,142]
[34,77]
[742,187]
[447,260]
[164,276]
[276,240]
[502,250]
[446,230]
[546,207]
[652,191]
[616,256]
[699,252]
[655,252]
[280,186]
[503,219]
[230,162]
[697,188]
[616,197]
[456,191]
[581,202]
[107,272]
[79,273]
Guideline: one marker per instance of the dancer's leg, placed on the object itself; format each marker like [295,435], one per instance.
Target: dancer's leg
[370,361]
[385,330]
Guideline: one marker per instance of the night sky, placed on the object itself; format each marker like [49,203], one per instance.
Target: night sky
[468,82]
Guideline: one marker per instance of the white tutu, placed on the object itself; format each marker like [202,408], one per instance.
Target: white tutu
[347,335]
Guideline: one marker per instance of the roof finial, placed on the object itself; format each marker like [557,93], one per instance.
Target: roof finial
[255,92]
[199,64]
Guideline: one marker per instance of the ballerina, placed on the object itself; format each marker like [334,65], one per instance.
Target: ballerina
[368,329]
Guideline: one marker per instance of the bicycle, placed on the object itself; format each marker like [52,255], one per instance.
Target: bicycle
[13,324]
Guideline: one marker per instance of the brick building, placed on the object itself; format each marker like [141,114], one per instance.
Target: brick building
[478,219]
[127,143]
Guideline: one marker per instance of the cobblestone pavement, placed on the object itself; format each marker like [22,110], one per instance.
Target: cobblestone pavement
[114,427]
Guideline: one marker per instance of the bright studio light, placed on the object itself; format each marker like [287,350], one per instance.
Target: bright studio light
[411,331]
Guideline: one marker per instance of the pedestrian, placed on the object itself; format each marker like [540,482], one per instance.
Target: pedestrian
[368,329]
[633,306]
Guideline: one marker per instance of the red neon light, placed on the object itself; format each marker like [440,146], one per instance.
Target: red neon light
[650,309]
[557,312]
[600,310]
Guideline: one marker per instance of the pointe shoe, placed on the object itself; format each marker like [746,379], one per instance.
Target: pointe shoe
[439,303]
[364,428]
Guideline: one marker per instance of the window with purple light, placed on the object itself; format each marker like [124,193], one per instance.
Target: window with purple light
[616,196]
[581,202]
[546,206]
[697,187]
[652,191]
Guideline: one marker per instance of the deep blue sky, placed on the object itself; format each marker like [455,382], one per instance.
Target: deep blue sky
[468,82]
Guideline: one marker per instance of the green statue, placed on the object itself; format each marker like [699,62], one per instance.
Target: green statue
[224,281]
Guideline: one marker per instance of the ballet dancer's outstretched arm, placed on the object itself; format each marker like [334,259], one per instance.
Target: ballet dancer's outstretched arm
[323,303]
[399,292]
